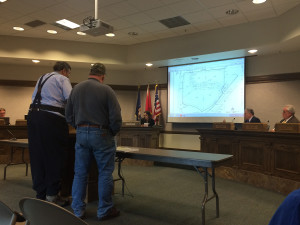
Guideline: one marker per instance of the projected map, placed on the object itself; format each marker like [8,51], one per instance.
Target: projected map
[207,89]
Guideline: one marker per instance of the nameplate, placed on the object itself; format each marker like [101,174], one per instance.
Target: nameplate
[255,127]
[223,126]
[131,124]
[287,127]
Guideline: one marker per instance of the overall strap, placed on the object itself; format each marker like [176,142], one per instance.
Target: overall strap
[38,96]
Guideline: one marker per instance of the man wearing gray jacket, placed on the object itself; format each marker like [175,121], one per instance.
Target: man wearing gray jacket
[93,109]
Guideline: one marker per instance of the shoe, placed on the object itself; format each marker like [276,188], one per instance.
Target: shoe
[20,217]
[58,200]
[83,216]
[112,213]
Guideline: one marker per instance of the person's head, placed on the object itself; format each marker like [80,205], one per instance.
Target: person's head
[147,115]
[2,112]
[63,68]
[288,111]
[248,113]
[98,71]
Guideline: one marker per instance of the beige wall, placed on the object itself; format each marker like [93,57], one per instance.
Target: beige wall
[267,99]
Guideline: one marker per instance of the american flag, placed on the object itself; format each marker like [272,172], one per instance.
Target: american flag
[157,108]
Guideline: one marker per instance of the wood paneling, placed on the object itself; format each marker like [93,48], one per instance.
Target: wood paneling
[269,160]
[7,132]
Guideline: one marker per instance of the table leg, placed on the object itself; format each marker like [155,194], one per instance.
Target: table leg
[214,190]
[10,163]
[23,160]
[120,160]
[205,175]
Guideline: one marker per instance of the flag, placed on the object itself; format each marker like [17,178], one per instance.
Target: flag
[148,106]
[138,106]
[157,108]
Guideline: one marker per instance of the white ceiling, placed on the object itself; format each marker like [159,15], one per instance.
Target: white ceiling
[141,16]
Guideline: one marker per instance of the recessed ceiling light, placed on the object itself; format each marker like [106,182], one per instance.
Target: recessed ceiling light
[110,35]
[149,64]
[132,33]
[2,0]
[68,23]
[35,61]
[232,11]
[81,33]
[252,51]
[52,31]
[258,1]
[18,28]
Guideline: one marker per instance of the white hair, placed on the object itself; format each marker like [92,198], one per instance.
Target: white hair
[290,108]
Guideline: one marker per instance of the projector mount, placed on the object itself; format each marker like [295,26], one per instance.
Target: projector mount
[90,22]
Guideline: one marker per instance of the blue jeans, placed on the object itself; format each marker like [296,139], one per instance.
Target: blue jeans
[99,143]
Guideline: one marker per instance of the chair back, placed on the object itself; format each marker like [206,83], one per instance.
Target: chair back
[39,212]
[7,216]
[20,122]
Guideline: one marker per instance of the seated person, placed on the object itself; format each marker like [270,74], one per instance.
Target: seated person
[288,213]
[2,112]
[249,116]
[147,119]
[288,115]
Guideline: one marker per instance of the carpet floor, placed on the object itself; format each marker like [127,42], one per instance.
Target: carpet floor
[157,195]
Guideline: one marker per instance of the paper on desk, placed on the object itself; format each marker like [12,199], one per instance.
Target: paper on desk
[127,149]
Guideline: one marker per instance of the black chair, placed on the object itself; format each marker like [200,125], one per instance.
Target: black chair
[288,213]
[39,212]
[7,216]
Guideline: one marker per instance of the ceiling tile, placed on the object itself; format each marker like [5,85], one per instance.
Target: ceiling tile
[120,24]
[161,13]
[132,29]
[122,9]
[79,5]
[219,12]
[120,35]
[8,14]
[144,5]
[22,7]
[260,14]
[105,14]
[134,15]
[215,3]
[167,2]
[61,11]
[153,27]
[146,37]
[197,16]
[139,18]
[102,3]
[165,33]
[208,25]
[284,7]
[276,2]
[187,6]
[247,6]
[184,30]
[233,20]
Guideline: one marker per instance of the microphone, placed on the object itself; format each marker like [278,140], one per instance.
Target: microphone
[233,120]
[13,136]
